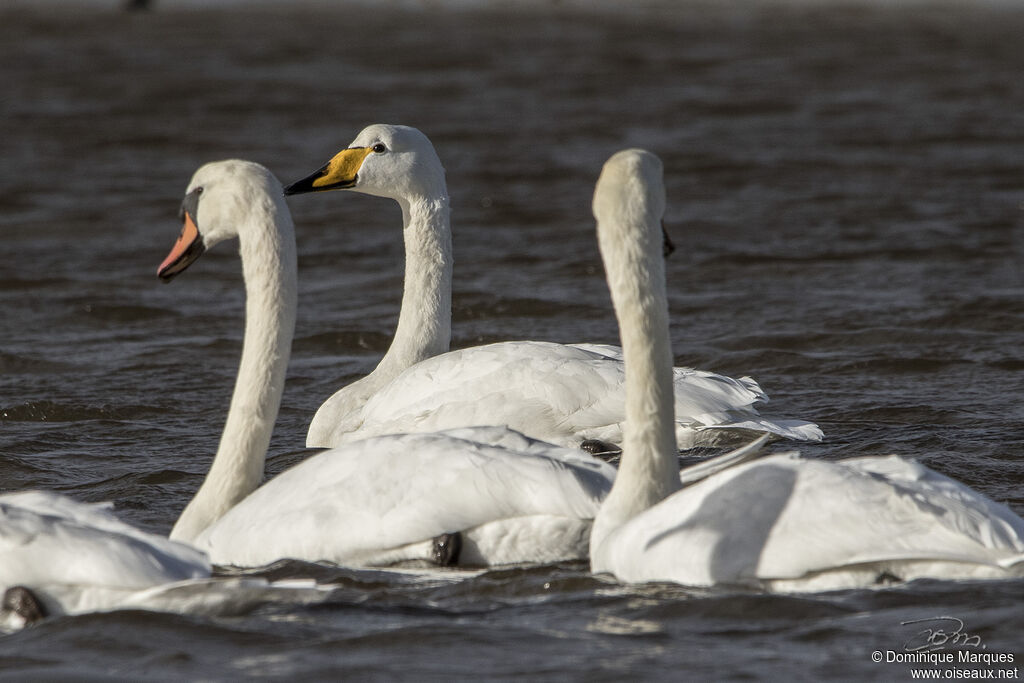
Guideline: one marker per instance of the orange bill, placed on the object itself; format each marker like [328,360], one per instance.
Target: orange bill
[187,248]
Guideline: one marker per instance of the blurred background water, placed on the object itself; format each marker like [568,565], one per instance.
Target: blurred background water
[844,189]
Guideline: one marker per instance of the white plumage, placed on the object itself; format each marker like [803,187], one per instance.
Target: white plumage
[781,522]
[382,500]
[559,393]
[789,523]
[78,557]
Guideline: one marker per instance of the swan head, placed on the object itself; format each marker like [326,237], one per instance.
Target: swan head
[397,162]
[631,192]
[218,201]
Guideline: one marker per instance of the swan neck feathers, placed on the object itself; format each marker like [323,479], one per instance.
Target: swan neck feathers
[628,204]
[411,174]
[424,323]
[267,248]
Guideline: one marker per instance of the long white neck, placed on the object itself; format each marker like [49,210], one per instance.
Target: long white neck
[425,322]
[649,470]
[267,248]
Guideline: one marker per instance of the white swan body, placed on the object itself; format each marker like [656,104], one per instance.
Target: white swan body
[781,522]
[77,557]
[788,523]
[560,393]
[380,501]
[383,500]
[555,392]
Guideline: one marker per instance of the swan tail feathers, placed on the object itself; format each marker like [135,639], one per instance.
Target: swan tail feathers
[1013,564]
[796,430]
[738,456]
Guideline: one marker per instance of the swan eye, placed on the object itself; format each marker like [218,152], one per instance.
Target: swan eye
[199,190]
[379,148]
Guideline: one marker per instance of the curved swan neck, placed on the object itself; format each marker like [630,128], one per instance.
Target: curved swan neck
[267,248]
[425,322]
[631,249]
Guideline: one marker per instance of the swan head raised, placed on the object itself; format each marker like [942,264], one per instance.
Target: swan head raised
[218,201]
[631,193]
[397,162]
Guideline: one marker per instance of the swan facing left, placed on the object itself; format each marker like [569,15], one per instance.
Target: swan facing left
[781,522]
[227,199]
[60,556]
[561,393]
[477,496]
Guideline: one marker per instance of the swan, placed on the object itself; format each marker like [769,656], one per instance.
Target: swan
[477,496]
[560,393]
[61,556]
[781,522]
[236,198]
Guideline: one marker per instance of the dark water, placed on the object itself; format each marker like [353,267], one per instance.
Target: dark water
[845,188]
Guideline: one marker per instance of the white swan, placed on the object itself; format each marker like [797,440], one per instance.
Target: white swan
[472,496]
[781,522]
[241,199]
[60,556]
[556,392]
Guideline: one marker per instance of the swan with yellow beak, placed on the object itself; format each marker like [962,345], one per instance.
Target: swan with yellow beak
[560,393]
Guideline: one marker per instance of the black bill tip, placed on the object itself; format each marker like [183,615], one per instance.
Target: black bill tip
[169,270]
[305,185]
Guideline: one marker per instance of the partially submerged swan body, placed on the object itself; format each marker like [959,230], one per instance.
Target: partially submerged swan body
[781,522]
[560,393]
[472,496]
[500,497]
[61,556]
[792,524]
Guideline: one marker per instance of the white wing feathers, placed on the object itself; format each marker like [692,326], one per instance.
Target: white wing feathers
[555,392]
[787,517]
[46,539]
[393,491]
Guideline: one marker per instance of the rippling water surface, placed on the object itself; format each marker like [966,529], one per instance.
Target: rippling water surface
[845,190]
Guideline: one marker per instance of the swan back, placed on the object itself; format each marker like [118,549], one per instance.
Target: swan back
[69,552]
[348,504]
[629,201]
